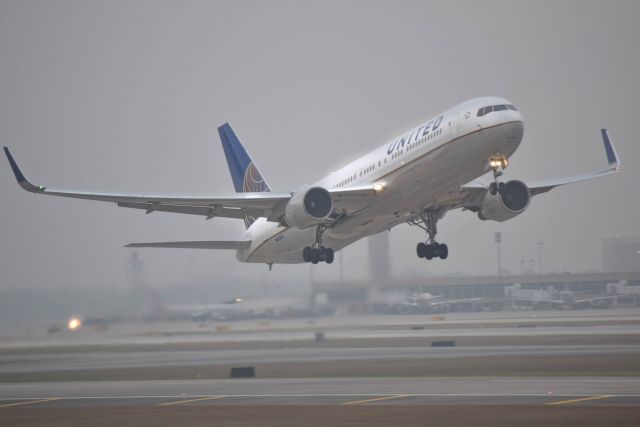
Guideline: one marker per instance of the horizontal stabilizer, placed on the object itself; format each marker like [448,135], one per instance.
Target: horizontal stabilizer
[215,244]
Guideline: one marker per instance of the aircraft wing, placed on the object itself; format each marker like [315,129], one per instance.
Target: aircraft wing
[472,193]
[453,301]
[216,244]
[539,187]
[350,200]
[238,205]
[594,299]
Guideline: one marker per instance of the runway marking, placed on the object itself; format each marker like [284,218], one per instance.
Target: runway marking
[582,399]
[30,402]
[178,402]
[377,399]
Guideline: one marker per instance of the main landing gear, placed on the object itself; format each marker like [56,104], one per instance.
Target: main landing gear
[317,253]
[430,249]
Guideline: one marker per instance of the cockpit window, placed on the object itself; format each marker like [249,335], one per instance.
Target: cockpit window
[486,110]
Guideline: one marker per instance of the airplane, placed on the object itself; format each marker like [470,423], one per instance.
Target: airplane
[425,301]
[234,309]
[415,179]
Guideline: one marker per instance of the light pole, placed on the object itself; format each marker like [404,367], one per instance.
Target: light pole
[341,267]
[498,239]
[539,257]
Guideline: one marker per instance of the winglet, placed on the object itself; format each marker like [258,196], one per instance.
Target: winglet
[22,180]
[612,156]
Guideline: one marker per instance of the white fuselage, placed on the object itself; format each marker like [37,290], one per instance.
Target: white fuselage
[421,168]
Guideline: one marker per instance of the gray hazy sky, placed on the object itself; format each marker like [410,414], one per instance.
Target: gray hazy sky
[127,96]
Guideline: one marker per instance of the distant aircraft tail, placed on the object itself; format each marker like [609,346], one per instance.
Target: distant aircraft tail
[244,173]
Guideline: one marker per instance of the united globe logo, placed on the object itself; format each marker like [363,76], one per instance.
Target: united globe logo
[252,183]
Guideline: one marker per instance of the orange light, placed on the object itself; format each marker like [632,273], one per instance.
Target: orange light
[74,323]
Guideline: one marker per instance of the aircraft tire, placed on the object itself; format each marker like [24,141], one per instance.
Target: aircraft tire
[306,254]
[429,252]
[443,251]
[420,250]
[329,255]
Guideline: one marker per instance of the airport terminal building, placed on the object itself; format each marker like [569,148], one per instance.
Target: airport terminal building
[617,283]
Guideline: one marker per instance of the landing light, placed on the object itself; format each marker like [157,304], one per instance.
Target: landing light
[379,186]
[499,163]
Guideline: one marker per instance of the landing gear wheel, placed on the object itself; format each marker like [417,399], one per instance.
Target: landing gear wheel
[429,252]
[436,249]
[493,188]
[306,254]
[328,256]
[420,249]
[432,250]
[443,251]
[316,255]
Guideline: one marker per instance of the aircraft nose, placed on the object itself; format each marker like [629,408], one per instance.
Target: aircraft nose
[515,128]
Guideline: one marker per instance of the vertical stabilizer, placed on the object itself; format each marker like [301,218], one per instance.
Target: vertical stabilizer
[244,173]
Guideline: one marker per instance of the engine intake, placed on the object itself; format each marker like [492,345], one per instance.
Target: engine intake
[511,199]
[308,207]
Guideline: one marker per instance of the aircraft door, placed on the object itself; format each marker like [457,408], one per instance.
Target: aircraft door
[465,122]
[453,127]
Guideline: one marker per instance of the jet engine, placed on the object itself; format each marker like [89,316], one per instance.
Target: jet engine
[308,207]
[511,199]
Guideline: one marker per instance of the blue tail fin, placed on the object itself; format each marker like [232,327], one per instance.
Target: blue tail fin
[244,173]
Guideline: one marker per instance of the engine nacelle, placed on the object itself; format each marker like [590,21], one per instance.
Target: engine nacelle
[308,207]
[511,200]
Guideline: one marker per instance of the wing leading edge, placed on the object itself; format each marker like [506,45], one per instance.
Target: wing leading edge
[215,244]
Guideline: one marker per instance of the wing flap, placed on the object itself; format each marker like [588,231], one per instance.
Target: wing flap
[206,211]
[353,199]
[214,244]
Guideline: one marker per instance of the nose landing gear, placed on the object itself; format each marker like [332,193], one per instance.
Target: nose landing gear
[430,249]
[498,164]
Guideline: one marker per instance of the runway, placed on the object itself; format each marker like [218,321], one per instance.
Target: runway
[329,391]
[380,369]
[456,325]
[132,359]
